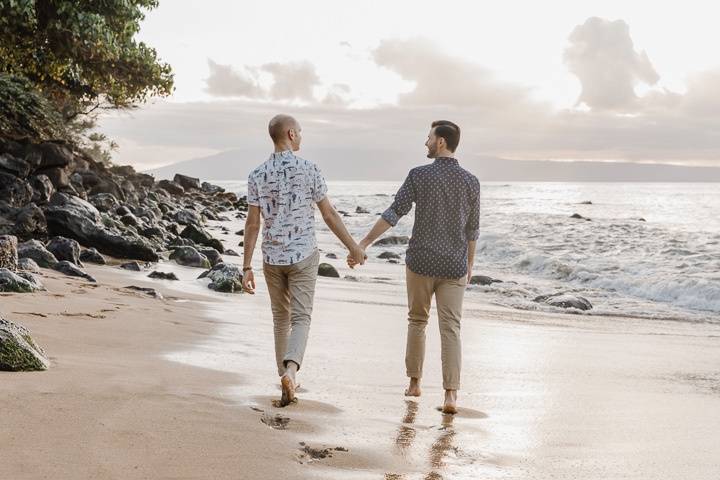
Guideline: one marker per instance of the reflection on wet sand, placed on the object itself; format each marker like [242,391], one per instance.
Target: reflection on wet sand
[438,450]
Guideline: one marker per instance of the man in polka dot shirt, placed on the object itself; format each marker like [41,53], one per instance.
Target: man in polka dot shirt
[440,254]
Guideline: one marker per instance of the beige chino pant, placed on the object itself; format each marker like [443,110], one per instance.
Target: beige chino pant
[449,293]
[292,289]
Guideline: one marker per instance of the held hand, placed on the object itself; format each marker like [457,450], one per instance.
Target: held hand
[356,257]
[248,282]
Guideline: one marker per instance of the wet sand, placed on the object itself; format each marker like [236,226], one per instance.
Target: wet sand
[144,388]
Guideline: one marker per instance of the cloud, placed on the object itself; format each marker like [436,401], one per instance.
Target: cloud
[603,57]
[226,82]
[292,81]
[441,79]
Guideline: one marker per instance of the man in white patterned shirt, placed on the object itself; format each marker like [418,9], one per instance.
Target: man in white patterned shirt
[282,193]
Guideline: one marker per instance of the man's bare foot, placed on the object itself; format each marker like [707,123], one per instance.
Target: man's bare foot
[288,390]
[414,389]
[450,405]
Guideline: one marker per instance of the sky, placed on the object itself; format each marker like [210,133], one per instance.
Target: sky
[558,80]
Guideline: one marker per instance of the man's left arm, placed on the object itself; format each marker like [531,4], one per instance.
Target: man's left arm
[472,228]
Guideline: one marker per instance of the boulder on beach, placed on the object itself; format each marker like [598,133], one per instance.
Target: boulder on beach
[327,270]
[201,236]
[392,240]
[15,283]
[189,257]
[36,250]
[483,280]
[389,255]
[14,191]
[29,221]
[18,351]
[171,187]
[90,255]
[579,217]
[28,265]
[8,252]
[72,270]
[163,275]
[212,254]
[232,253]
[188,183]
[151,292]
[224,277]
[104,202]
[133,266]
[42,189]
[361,210]
[188,217]
[331,256]
[65,249]
[565,300]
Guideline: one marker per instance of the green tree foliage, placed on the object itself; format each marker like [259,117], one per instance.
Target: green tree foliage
[25,113]
[82,54]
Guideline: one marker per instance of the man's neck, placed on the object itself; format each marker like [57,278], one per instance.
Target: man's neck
[283,147]
[445,154]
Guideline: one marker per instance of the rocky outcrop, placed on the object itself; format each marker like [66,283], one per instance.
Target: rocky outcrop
[327,270]
[187,183]
[65,249]
[565,300]
[18,351]
[8,252]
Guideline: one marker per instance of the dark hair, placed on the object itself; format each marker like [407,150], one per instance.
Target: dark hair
[449,131]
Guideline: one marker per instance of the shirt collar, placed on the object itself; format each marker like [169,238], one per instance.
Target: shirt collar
[446,160]
[284,153]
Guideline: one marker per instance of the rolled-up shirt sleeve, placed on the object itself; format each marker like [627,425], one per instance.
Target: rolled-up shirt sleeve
[252,195]
[472,228]
[319,186]
[402,204]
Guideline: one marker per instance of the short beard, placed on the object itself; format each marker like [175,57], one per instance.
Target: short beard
[432,153]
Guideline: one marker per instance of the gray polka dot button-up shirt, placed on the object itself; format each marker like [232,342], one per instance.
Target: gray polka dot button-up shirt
[447,217]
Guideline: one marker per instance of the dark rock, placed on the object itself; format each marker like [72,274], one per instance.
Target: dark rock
[171,187]
[163,275]
[12,282]
[106,185]
[65,249]
[483,280]
[42,188]
[75,218]
[240,232]
[565,300]
[642,219]
[394,260]
[54,155]
[31,278]
[146,290]
[18,351]
[91,255]
[130,220]
[58,176]
[188,217]
[579,217]
[188,183]
[331,256]
[28,265]
[13,165]
[14,191]
[202,237]
[212,255]
[190,257]
[586,202]
[8,252]
[36,250]
[389,256]
[327,270]
[232,253]
[392,240]
[360,209]
[122,210]
[72,270]
[134,266]
[211,189]
[225,277]
[30,221]
[241,244]
[104,202]
[181,242]
[151,232]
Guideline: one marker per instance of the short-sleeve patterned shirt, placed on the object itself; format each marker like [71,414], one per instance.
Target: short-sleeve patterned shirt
[447,217]
[286,188]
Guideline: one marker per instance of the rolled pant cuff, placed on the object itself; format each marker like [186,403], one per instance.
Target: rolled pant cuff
[451,387]
[291,359]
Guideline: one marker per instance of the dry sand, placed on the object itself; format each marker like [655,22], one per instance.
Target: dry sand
[544,396]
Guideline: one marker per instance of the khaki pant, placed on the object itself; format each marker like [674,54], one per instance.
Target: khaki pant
[292,289]
[449,294]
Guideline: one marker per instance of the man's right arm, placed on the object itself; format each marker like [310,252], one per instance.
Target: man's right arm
[401,206]
[252,230]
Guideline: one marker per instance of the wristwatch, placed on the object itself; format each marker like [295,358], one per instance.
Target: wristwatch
[245,269]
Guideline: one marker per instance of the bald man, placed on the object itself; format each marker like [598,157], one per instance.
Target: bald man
[283,193]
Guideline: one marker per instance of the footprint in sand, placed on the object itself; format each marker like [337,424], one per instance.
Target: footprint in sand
[309,454]
[465,413]
[276,421]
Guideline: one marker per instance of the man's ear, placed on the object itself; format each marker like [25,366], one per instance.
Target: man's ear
[291,134]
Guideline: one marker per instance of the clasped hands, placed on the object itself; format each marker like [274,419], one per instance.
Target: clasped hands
[357,256]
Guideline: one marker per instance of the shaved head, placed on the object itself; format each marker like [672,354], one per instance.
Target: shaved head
[279,127]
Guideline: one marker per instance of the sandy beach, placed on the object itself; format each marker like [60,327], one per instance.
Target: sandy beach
[183,387]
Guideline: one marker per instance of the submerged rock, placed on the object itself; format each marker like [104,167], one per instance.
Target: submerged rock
[72,270]
[190,257]
[37,251]
[65,249]
[8,252]
[327,270]
[361,210]
[146,290]
[579,217]
[483,280]
[565,300]
[392,240]
[14,283]
[134,266]
[163,275]
[18,351]
[389,255]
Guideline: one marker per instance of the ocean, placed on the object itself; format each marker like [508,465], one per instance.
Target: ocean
[649,250]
